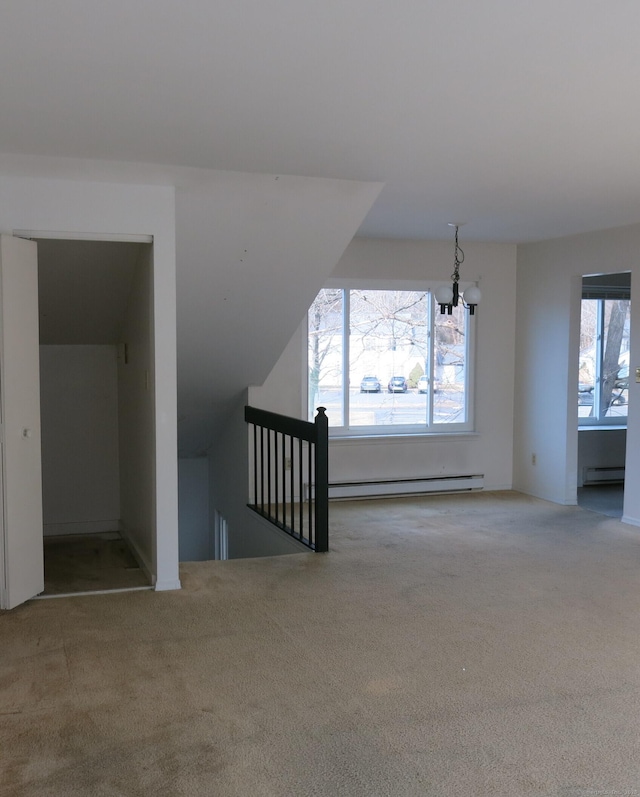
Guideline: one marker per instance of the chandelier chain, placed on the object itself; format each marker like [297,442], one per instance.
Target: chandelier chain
[458,259]
[450,297]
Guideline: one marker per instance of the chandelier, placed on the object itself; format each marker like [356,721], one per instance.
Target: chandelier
[448,297]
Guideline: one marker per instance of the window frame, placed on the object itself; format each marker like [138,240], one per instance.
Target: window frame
[452,429]
[598,419]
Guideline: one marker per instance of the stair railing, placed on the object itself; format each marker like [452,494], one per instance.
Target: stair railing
[289,479]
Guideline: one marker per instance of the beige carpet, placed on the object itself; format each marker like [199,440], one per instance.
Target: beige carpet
[470,646]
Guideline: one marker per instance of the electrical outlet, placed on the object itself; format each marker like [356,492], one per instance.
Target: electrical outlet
[534,459]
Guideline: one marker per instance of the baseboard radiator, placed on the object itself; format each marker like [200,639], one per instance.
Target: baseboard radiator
[602,475]
[419,486]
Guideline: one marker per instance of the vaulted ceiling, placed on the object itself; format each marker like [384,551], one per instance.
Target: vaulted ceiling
[289,126]
[518,118]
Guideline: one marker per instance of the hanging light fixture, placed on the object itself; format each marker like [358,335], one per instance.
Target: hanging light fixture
[448,297]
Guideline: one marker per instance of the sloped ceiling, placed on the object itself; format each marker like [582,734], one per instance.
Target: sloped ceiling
[517,118]
[279,122]
[252,253]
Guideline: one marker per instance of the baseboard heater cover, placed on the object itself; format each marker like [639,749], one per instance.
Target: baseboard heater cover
[602,475]
[418,486]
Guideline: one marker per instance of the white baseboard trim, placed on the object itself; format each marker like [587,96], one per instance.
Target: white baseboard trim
[80,527]
[630,521]
[90,592]
[145,566]
[560,501]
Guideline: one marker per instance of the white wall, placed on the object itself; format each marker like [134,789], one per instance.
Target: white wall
[79,415]
[196,542]
[109,210]
[544,365]
[487,452]
[254,250]
[136,417]
[548,316]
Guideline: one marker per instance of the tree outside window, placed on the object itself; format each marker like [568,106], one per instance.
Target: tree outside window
[385,359]
[603,379]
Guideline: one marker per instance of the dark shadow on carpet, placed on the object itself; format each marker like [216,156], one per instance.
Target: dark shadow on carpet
[606,499]
[88,562]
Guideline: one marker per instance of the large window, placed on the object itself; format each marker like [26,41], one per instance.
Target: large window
[387,361]
[603,380]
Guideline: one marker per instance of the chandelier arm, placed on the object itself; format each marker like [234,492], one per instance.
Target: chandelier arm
[456,296]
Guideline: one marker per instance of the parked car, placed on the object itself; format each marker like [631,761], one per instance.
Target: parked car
[423,384]
[585,394]
[397,384]
[370,384]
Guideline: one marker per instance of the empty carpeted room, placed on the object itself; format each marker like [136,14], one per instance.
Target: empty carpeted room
[484,644]
[319,398]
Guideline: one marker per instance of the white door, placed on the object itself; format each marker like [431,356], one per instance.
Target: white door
[21,542]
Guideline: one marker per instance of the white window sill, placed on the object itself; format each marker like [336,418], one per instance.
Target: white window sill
[607,427]
[396,439]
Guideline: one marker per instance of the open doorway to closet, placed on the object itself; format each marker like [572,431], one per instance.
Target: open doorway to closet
[96,408]
[603,391]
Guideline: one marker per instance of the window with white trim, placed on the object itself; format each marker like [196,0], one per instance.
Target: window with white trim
[387,362]
[603,379]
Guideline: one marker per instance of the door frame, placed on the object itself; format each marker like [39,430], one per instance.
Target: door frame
[164,566]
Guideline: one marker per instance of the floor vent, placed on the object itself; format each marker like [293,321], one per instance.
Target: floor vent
[420,486]
[602,475]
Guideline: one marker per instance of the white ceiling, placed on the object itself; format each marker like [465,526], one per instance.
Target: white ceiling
[287,126]
[519,118]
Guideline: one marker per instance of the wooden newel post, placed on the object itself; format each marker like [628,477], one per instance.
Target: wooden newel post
[322,480]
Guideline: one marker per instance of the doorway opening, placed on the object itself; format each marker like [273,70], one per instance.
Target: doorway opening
[220,537]
[96,410]
[603,391]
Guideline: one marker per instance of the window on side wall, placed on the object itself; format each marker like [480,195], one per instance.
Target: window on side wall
[603,377]
[386,361]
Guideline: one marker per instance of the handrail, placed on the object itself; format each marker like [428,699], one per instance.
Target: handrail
[291,468]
